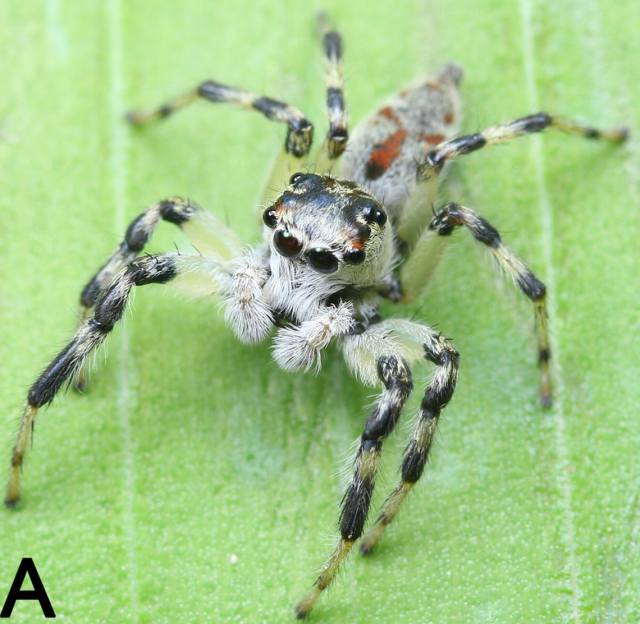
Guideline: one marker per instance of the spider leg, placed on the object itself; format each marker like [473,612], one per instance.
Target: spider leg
[417,271]
[396,377]
[299,133]
[411,222]
[205,232]
[382,353]
[191,273]
[435,159]
[338,134]
[441,352]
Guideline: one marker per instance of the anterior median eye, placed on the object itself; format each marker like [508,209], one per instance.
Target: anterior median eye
[322,260]
[287,244]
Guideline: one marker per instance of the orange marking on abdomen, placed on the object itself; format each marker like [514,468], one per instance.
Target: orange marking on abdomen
[432,139]
[383,155]
[448,118]
[387,112]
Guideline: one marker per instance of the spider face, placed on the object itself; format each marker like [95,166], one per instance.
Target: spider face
[327,223]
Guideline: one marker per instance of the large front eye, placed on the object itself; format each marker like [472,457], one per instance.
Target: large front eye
[322,260]
[287,244]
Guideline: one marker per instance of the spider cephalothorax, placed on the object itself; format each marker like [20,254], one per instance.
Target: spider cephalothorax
[324,234]
[330,221]
[332,248]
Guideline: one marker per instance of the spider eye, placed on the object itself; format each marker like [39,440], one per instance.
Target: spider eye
[322,260]
[287,244]
[269,217]
[355,256]
[373,214]
[295,177]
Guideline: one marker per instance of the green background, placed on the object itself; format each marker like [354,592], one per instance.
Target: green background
[191,450]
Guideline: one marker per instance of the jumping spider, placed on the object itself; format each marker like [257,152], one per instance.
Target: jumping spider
[334,247]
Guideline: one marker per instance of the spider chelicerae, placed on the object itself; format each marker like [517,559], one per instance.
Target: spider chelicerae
[362,228]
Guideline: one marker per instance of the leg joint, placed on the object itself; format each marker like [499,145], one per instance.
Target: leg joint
[531,286]
[533,123]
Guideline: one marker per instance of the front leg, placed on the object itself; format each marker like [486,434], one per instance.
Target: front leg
[383,353]
[193,274]
[395,374]
[300,347]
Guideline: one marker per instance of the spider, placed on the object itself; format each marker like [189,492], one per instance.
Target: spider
[360,228]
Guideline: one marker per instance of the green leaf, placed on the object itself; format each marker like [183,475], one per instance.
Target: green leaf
[196,481]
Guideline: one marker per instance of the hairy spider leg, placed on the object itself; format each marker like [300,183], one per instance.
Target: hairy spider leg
[435,159]
[291,159]
[387,347]
[412,222]
[442,353]
[427,247]
[396,377]
[423,260]
[206,233]
[195,274]
[338,134]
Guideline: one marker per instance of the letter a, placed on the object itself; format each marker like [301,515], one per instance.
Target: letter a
[37,593]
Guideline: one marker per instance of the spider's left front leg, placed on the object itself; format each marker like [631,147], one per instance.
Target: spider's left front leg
[383,352]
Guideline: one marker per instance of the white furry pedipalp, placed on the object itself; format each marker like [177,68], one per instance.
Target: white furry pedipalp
[246,311]
[300,347]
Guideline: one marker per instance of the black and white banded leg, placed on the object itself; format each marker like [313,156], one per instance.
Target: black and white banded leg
[429,248]
[206,233]
[299,129]
[192,273]
[411,223]
[438,394]
[436,158]
[338,133]
[403,342]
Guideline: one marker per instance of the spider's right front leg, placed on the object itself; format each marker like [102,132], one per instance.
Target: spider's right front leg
[206,233]
[194,274]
